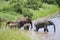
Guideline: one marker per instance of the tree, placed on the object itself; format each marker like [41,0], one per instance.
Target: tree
[17,5]
[58,2]
[49,1]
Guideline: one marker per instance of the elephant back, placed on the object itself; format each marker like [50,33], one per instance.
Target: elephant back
[26,20]
[41,20]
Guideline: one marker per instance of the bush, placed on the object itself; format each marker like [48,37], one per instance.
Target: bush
[58,2]
[18,8]
[17,5]
[27,13]
[6,0]
[5,9]
[49,1]
[34,4]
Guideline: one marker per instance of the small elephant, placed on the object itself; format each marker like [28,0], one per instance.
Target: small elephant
[23,21]
[12,24]
[44,24]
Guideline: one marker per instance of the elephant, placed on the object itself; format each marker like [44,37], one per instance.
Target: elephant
[20,22]
[43,24]
[12,24]
[23,21]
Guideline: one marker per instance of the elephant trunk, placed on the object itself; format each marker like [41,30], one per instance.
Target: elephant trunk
[51,23]
[30,21]
[31,24]
[54,27]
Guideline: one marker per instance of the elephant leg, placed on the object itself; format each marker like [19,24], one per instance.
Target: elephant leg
[37,28]
[26,28]
[45,28]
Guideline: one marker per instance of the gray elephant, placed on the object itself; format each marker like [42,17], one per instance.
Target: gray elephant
[43,24]
[23,21]
[12,24]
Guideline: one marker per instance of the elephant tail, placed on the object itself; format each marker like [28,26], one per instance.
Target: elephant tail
[31,25]
[54,27]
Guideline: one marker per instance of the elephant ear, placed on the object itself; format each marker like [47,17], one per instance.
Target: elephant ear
[50,22]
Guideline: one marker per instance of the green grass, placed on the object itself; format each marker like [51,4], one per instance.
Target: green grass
[14,34]
[46,10]
[10,15]
[8,34]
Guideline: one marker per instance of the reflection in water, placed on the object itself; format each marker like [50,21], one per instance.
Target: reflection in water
[41,35]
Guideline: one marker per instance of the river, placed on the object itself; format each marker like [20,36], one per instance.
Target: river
[51,35]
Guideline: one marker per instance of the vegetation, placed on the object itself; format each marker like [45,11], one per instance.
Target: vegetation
[13,9]
[58,2]
[49,1]
[34,4]
[9,34]
[46,10]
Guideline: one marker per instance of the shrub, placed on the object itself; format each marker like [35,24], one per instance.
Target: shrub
[27,13]
[34,4]
[6,0]
[58,2]
[5,9]
[49,1]
[18,8]
[17,5]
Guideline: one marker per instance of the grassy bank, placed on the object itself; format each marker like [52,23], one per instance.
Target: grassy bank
[10,14]
[14,34]
[45,11]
